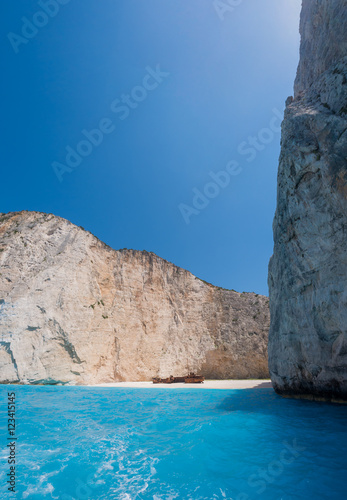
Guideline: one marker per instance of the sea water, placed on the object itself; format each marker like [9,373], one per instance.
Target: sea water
[163,444]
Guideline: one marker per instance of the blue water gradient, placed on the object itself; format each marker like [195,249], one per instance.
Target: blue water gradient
[112,443]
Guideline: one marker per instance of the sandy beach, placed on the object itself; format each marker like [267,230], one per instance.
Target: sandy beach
[208,384]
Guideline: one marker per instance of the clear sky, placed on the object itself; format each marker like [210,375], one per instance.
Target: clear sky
[170,98]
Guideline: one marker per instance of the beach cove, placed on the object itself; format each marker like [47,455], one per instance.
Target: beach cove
[207,384]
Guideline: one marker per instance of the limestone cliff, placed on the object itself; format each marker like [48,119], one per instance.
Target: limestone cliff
[308,270]
[72,310]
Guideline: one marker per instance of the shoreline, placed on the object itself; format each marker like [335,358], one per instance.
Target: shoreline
[208,384]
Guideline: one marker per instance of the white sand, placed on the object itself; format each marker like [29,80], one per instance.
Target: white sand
[208,384]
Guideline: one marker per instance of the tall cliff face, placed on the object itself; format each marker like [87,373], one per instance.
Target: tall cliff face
[308,270]
[323,26]
[72,310]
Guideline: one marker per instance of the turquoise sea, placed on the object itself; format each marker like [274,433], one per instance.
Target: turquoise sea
[162,444]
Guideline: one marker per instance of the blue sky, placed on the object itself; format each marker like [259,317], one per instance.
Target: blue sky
[198,85]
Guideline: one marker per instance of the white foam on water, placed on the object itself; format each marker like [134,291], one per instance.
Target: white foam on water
[135,473]
[100,482]
[153,470]
[39,488]
[31,490]
[105,466]
[170,495]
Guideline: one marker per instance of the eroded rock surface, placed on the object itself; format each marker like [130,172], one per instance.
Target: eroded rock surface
[308,271]
[73,310]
